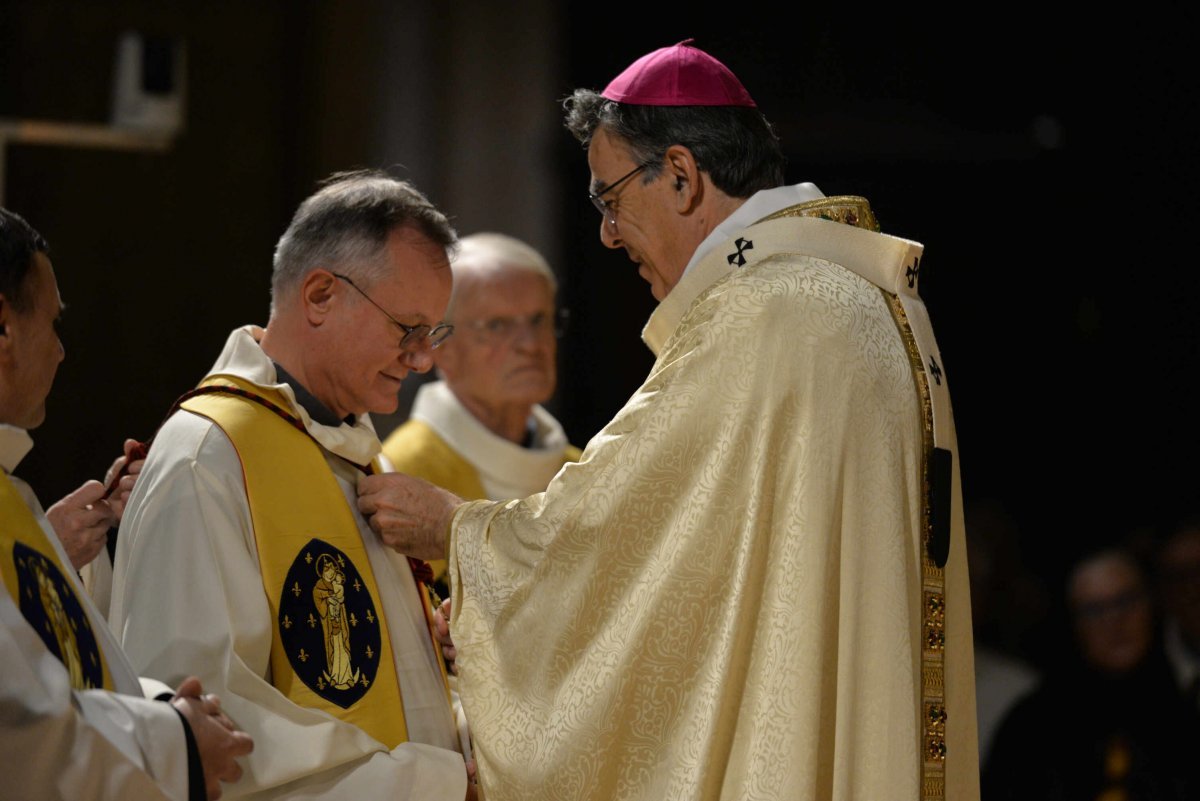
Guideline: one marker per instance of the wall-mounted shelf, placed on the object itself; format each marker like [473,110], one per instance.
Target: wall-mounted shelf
[76,134]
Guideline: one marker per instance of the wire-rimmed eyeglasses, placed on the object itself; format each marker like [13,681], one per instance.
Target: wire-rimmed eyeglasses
[414,335]
[608,212]
[502,330]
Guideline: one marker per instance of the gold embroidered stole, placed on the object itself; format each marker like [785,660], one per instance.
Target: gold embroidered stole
[330,647]
[36,579]
[937,469]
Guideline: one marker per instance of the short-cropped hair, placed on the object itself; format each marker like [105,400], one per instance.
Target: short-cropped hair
[737,147]
[345,225]
[18,242]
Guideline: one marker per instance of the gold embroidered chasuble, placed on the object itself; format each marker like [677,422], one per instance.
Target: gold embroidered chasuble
[735,594]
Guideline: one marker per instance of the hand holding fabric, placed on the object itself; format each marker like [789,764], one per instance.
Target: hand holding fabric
[218,740]
[124,471]
[82,520]
[410,515]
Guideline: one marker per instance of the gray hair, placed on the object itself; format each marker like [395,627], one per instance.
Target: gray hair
[737,147]
[489,247]
[345,225]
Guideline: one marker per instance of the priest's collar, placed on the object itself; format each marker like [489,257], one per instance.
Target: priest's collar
[761,204]
[319,412]
[15,443]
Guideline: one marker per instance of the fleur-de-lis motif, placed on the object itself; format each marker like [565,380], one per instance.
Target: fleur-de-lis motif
[302,656]
[287,622]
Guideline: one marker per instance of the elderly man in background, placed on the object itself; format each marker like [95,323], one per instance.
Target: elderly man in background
[480,431]
[75,721]
[242,549]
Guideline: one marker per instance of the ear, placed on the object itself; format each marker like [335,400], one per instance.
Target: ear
[8,335]
[6,313]
[685,177]
[318,294]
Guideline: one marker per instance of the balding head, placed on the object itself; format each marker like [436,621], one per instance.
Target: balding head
[501,360]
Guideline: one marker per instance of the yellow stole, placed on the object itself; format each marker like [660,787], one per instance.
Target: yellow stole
[421,452]
[330,647]
[36,579]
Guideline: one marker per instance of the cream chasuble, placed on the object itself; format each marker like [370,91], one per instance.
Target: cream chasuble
[735,594]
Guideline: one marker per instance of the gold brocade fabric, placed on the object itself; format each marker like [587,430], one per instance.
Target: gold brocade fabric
[846,209]
[724,598]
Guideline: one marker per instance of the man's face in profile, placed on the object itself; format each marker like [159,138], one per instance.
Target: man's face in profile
[35,350]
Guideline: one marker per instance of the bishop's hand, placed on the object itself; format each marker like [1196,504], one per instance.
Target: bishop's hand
[409,514]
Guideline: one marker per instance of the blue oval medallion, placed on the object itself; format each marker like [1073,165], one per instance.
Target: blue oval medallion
[49,603]
[329,625]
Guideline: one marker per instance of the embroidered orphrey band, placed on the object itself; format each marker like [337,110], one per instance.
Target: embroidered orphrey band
[933,590]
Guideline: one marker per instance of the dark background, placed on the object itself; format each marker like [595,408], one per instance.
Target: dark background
[1044,158]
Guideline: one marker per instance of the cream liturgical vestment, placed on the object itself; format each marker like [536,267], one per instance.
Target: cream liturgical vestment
[743,589]
[55,741]
[189,597]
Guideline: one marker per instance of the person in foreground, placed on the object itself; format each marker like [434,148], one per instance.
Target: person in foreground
[241,548]
[75,721]
[481,431]
[753,584]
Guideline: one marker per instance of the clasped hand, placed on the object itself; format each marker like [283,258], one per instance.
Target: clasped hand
[218,740]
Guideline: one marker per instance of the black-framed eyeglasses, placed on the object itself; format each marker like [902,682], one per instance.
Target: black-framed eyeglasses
[414,335]
[502,330]
[602,205]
